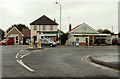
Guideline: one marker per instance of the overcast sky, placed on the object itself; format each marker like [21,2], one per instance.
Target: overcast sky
[96,13]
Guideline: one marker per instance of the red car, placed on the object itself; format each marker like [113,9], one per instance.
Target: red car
[7,42]
[116,41]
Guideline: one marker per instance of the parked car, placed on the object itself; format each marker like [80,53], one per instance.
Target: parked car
[7,42]
[47,42]
[27,41]
[100,42]
[108,41]
[58,42]
[116,41]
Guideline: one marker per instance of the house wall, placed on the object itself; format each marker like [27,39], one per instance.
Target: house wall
[72,38]
[82,39]
[84,31]
[40,28]
[14,32]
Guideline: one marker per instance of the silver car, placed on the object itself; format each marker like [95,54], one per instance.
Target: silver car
[47,42]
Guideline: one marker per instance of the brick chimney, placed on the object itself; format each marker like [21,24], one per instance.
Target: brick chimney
[70,27]
[54,20]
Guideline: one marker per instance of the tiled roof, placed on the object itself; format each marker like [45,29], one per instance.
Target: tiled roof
[26,32]
[73,28]
[43,20]
[94,31]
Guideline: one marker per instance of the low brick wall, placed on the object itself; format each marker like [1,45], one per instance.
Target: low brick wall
[82,44]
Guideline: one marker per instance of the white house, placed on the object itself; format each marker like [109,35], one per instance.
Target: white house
[46,26]
[82,32]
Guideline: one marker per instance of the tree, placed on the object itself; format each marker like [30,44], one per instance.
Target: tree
[2,33]
[18,26]
[64,37]
[119,34]
[100,30]
[106,31]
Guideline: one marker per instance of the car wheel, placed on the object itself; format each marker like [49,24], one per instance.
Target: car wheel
[51,45]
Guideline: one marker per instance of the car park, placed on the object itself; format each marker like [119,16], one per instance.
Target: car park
[116,41]
[7,42]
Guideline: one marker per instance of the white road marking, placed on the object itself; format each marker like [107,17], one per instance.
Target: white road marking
[18,61]
[25,55]
[21,63]
[25,66]
[86,58]
[21,50]
[17,55]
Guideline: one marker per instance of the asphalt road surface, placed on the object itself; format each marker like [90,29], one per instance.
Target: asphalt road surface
[10,67]
[60,61]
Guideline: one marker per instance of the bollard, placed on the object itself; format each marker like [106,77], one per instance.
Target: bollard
[31,44]
[39,43]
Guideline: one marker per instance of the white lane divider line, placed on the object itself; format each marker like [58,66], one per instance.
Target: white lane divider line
[17,55]
[21,63]
[25,66]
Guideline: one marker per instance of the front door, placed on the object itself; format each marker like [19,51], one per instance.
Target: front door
[16,40]
[90,40]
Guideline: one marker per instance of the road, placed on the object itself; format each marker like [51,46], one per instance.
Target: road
[10,67]
[58,61]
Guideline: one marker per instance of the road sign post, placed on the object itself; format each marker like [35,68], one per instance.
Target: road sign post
[39,40]
[31,43]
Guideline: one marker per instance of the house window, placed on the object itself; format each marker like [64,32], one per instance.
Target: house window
[44,27]
[51,27]
[35,27]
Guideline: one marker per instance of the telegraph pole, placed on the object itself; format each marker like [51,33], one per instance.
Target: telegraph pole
[112,29]
[60,21]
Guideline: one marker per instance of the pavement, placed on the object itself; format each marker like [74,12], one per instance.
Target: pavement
[111,61]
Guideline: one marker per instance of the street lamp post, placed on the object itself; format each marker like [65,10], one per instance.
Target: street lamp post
[60,23]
